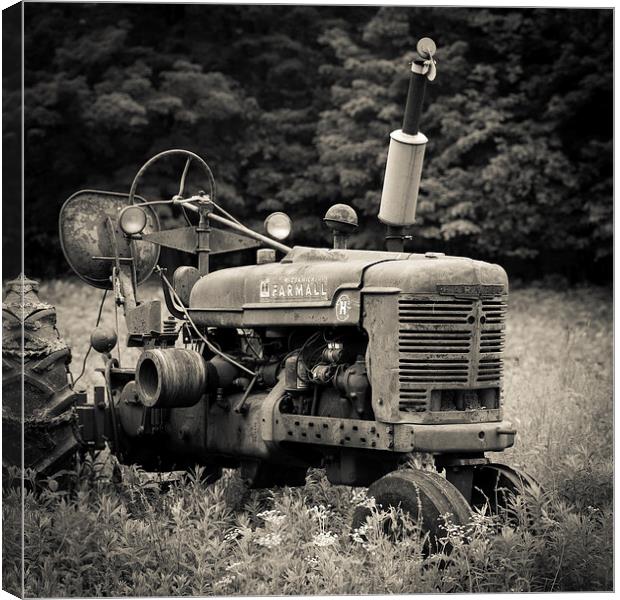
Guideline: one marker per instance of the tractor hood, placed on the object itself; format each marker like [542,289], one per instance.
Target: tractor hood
[305,287]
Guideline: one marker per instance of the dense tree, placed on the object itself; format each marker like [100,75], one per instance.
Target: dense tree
[292,107]
[519,161]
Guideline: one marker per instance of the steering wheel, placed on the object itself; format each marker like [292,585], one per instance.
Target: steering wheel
[190,156]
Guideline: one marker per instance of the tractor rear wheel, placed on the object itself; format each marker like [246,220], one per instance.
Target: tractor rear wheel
[37,394]
[425,496]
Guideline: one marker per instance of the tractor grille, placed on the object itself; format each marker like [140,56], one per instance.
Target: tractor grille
[448,344]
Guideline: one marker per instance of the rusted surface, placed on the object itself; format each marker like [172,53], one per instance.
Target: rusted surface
[308,279]
[399,437]
[441,359]
[145,319]
[182,238]
[186,240]
[345,433]
[435,347]
[316,288]
[87,245]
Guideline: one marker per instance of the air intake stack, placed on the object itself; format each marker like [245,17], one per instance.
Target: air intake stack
[406,153]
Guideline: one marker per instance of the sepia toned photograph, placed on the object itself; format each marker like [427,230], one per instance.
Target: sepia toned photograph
[306,300]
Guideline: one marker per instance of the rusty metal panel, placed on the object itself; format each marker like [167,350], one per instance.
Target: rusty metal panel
[425,273]
[186,240]
[232,434]
[454,416]
[221,241]
[282,316]
[301,284]
[86,244]
[381,323]
[464,437]
[309,254]
[181,238]
[341,306]
[310,286]
[435,348]
[345,433]
[145,319]
[398,437]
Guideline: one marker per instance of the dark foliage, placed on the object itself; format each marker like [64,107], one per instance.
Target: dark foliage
[292,107]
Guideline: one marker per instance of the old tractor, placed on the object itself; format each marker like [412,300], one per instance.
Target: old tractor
[339,358]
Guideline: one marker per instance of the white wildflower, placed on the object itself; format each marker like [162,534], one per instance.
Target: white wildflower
[232,535]
[177,509]
[270,540]
[233,566]
[313,562]
[272,517]
[358,496]
[277,520]
[318,512]
[324,539]
[361,499]
[226,580]
[359,535]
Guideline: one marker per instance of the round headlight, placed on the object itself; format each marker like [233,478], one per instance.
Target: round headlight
[132,220]
[278,225]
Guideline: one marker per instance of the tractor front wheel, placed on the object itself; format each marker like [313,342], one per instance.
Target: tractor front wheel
[495,484]
[428,499]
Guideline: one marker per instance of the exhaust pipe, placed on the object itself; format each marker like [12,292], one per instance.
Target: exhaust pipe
[403,170]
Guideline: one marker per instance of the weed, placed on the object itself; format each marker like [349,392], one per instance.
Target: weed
[130,538]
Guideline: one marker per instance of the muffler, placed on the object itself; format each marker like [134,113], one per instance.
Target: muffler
[403,170]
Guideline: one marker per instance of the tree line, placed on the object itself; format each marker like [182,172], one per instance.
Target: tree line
[292,107]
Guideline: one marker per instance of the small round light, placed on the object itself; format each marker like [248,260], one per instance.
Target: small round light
[132,220]
[103,339]
[278,225]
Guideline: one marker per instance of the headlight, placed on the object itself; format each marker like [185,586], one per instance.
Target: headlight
[132,220]
[278,225]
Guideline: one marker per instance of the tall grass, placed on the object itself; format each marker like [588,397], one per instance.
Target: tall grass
[128,538]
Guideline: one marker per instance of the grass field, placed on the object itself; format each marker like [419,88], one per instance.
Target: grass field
[129,539]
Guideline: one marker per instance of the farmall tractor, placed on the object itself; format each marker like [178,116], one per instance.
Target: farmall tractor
[344,359]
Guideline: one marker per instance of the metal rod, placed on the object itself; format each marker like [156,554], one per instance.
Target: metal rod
[249,233]
[240,406]
[203,232]
[242,229]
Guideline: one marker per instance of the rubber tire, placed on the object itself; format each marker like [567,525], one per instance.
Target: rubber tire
[412,490]
[496,484]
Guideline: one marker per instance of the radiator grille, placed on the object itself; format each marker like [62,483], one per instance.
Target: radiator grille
[433,312]
[494,310]
[492,338]
[440,339]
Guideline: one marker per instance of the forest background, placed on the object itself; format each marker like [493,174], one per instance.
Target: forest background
[292,107]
